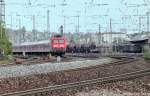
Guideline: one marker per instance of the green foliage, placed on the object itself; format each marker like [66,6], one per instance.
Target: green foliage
[5,45]
[147,56]
[147,53]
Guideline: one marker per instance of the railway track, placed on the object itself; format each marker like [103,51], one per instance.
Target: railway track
[42,91]
[30,61]
[68,68]
[34,60]
[95,55]
[123,60]
[120,59]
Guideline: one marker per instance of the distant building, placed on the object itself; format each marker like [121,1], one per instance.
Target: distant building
[112,37]
[103,38]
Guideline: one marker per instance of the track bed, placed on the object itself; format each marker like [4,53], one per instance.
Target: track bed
[63,77]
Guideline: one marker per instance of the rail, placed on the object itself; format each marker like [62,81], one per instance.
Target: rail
[125,76]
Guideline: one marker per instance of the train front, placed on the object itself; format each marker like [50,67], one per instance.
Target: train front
[58,46]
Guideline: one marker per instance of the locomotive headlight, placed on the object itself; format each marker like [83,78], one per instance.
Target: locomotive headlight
[62,46]
[55,46]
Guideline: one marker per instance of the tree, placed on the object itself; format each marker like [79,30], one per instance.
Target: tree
[5,45]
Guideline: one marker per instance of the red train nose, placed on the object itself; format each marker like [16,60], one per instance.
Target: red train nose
[62,46]
[55,46]
[59,46]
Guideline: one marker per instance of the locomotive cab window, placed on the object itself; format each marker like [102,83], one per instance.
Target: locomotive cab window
[55,41]
[61,41]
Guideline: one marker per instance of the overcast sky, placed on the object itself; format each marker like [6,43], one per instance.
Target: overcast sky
[123,13]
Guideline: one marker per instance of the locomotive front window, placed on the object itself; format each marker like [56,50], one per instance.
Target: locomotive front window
[61,41]
[55,41]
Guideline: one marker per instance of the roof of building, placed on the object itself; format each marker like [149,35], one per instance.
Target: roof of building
[139,38]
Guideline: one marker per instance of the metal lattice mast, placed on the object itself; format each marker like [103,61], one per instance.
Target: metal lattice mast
[2,15]
[110,30]
[99,33]
[48,22]
[34,29]
[2,11]
[147,21]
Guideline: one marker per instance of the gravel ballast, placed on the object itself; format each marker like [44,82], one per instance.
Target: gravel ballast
[23,70]
[56,78]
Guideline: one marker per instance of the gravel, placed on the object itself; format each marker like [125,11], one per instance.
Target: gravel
[23,70]
[135,87]
[68,76]
[106,92]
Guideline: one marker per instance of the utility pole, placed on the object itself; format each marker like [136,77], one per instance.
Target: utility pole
[11,17]
[61,30]
[2,16]
[63,14]
[100,38]
[140,24]
[78,23]
[48,22]
[147,21]
[110,25]
[148,26]
[34,37]
[78,26]
[20,31]
[64,23]
[110,30]
[33,22]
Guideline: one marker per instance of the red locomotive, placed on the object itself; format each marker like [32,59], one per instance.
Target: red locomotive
[58,45]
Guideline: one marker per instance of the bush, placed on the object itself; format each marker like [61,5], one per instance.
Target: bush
[5,45]
[147,56]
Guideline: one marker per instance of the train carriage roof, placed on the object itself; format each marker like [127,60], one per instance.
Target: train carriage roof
[33,43]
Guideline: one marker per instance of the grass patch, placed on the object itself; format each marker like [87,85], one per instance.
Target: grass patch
[5,62]
[6,59]
[147,56]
